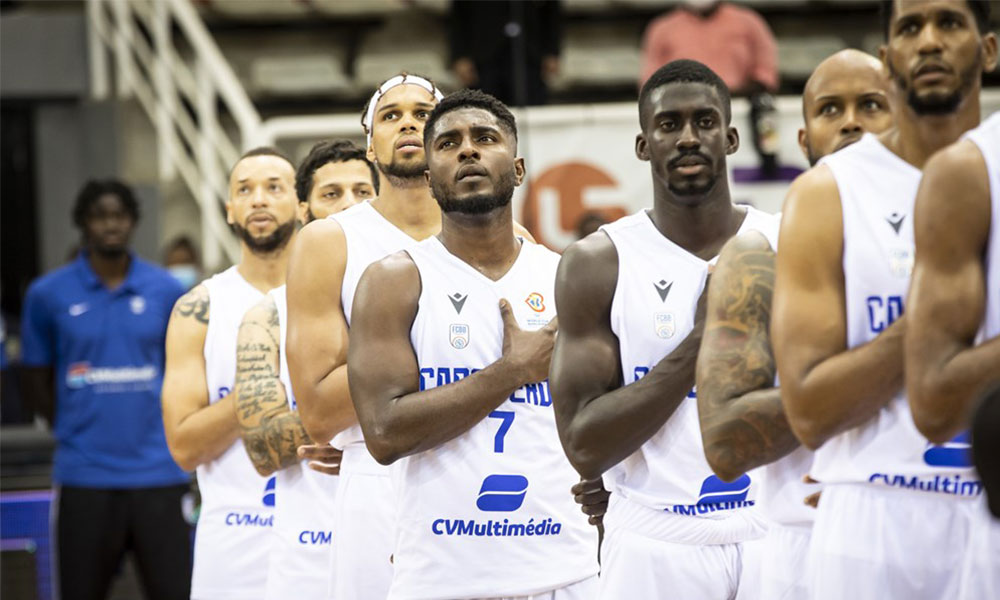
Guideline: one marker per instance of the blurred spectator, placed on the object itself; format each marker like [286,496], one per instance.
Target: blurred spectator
[181,260]
[588,223]
[506,48]
[737,44]
[733,41]
[93,349]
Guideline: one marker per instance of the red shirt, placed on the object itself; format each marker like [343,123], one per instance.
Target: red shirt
[733,41]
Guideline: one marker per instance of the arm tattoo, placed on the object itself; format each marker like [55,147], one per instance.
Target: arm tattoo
[270,431]
[744,423]
[194,304]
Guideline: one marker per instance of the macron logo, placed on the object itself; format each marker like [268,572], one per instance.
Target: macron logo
[895,220]
[502,493]
[458,301]
[663,289]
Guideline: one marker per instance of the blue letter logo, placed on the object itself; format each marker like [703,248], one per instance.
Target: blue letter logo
[268,498]
[953,453]
[502,493]
[715,490]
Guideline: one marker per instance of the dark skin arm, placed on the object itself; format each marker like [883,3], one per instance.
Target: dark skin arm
[271,432]
[396,417]
[600,422]
[945,370]
[826,388]
[38,388]
[743,424]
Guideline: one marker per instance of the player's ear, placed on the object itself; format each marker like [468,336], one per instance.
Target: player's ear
[883,55]
[519,170]
[229,212]
[804,142]
[989,52]
[641,147]
[732,140]
[370,153]
[427,178]
[302,212]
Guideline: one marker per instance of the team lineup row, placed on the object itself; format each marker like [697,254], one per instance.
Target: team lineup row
[386,405]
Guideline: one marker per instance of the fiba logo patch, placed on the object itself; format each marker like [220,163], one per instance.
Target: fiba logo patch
[715,490]
[268,498]
[137,304]
[502,493]
[901,262]
[956,452]
[458,335]
[535,302]
[76,375]
[664,324]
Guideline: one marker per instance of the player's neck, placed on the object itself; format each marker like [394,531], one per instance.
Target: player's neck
[411,209]
[700,228]
[264,271]
[485,242]
[916,137]
[111,269]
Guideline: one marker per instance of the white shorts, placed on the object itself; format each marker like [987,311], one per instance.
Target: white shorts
[870,543]
[782,563]
[981,570]
[364,518]
[635,565]
[581,590]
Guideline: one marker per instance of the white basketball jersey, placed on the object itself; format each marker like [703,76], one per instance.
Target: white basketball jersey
[653,310]
[233,537]
[489,513]
[877,193]
[370,237]
[303,519]
[987,138]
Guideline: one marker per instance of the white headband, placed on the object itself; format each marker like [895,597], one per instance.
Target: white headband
[388,85]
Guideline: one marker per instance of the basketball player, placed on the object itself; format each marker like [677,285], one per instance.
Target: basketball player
[952,342]
[743,424]
[631,305]
[450,388]
[841,281]
[233,535]
[334,176]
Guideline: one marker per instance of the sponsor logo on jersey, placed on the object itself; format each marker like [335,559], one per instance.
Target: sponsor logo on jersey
[491,528]
[502,493]
[458,301]
[137,305]
[715,490]
[458,335]
[80,374]
[895,220]
[956,452]
[954,485]
[535,302]
[316,538]
[664,324]
[663,288]
[269,491]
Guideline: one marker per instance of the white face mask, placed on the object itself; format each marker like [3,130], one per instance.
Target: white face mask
[187,275]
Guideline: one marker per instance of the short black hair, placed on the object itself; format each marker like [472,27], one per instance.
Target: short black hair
[328,151]
[94,189]
[980,10]
[686,71]
[470,99]
[262,151]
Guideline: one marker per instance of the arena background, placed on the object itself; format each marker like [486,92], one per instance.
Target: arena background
[165,94]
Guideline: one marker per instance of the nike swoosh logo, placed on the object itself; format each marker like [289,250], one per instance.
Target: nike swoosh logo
[458,301]
[77,309]
[663,289]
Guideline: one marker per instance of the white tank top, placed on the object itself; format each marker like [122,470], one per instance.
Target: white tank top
[232,540]
[370,237]
[987,138]
[303,519]
[877,193]
[653,310]
[489,513]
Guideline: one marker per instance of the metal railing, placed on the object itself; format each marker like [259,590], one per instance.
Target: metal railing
[181,88]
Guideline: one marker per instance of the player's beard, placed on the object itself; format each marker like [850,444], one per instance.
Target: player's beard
[938,104]
[270,243]
[403,175]
[478,204]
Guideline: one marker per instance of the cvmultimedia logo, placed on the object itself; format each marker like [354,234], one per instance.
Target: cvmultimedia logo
[956,452]
[717,491]
[502,493]
[269,491]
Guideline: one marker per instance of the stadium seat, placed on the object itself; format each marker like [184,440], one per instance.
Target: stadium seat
[412,43]
[798,56]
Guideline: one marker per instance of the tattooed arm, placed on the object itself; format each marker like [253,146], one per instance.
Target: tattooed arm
[742,422]
[271,432]
[197,432]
